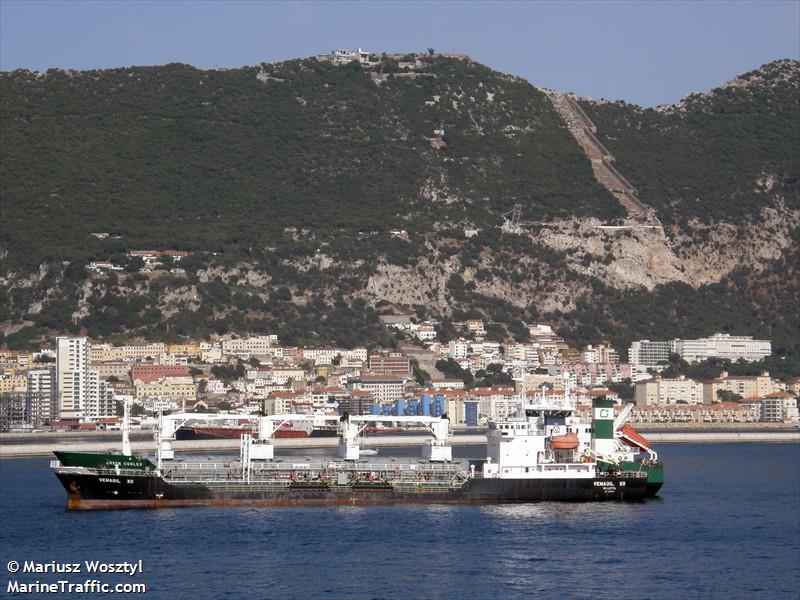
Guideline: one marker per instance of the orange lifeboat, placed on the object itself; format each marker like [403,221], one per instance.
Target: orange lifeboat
[633,438]
[568,441]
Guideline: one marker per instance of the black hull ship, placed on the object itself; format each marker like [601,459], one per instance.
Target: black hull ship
[543,455]
[111,491]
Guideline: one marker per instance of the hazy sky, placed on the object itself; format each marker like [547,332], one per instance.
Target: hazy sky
[643,52]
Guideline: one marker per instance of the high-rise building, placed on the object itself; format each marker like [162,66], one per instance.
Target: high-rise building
[41,403]
[78,388]
[72,375]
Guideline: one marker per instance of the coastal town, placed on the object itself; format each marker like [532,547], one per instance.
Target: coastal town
[80,384]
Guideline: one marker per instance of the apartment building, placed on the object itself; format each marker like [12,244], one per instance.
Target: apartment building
[390,362]
[723,345]
[644,354]
[742,385]
[385,389]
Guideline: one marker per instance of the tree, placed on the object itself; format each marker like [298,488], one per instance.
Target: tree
[453,370]
[624,389]
[133,264]
[727,396]
[493,375]
[420,375]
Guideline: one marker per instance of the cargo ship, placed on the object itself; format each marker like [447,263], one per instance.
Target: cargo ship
[543,453]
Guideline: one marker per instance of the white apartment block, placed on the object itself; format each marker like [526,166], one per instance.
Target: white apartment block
[426,332]
[654,392]
[107,352]
[284,376]
[590,355]
[516,351]
[600,354]
[672,390]
[216,386]
[780,407]
[723,345]
[385,389]
[458,349]
[644,354]
[210,352]
[259,345]
[41,395]
[74,387]
[172,359]
[326,356]
[494,403]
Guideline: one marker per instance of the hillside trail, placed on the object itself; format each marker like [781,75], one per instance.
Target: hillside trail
[605,172]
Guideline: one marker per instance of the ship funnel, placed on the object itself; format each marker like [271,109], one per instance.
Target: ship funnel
[603,425]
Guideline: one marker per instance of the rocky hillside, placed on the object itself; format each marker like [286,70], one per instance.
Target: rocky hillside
[314,197]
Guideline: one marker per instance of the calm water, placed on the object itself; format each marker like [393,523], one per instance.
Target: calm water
[727,526]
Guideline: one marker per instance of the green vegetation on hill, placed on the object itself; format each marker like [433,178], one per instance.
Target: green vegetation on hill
[721,156]
[224,161]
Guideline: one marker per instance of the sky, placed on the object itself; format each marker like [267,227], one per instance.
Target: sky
[643,52]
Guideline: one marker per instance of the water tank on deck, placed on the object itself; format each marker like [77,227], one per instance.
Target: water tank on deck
[400,407]
[438,405]
[425,405]
[375,409]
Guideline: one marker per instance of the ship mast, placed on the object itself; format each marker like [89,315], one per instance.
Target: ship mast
[126,427]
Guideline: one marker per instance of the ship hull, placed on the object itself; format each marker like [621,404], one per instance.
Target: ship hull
[654,470]
[87,491]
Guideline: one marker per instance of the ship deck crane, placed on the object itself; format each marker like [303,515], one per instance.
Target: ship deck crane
[263,448]
[435,449]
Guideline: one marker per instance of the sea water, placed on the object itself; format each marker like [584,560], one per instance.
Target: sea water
[726,525]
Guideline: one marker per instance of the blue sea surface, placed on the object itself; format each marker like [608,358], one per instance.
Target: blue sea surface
[727,525]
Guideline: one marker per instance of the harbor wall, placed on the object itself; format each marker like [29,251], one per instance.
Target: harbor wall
[9,450]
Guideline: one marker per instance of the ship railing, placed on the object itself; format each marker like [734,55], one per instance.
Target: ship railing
[202,471]
[56,464]
[398,467]
[631,474]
